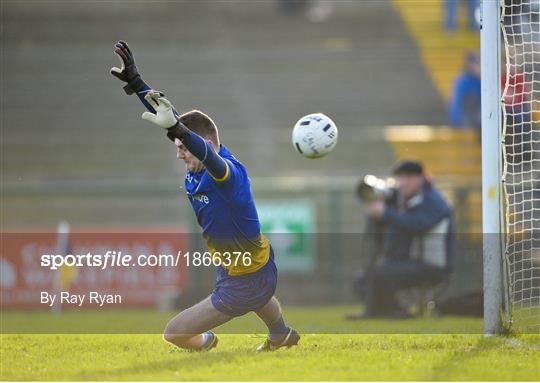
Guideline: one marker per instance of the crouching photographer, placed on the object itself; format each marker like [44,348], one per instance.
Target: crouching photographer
[415,226]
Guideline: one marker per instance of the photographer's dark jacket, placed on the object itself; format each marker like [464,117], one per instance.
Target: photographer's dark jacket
[423,229]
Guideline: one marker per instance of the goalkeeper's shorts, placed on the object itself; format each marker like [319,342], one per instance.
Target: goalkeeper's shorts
[238,295]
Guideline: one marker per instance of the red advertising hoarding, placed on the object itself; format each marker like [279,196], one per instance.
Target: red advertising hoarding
[154,270]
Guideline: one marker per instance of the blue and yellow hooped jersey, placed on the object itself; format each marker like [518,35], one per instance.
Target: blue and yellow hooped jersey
[226,212]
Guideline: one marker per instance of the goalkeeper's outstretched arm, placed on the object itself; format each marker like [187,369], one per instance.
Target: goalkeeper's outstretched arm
[200,148]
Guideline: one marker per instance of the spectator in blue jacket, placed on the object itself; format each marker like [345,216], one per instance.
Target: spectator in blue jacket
[465,108]
[418,241]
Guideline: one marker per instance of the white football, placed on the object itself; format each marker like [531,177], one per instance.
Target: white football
[314,135]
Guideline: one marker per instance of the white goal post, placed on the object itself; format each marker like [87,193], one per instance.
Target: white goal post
[510,55]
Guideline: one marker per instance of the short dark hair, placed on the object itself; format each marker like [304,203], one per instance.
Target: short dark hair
[200,123]
[408,167]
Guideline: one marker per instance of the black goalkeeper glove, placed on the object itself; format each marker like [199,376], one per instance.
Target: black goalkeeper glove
[128,73]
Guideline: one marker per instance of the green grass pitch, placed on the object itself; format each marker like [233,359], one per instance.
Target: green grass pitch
[334,350]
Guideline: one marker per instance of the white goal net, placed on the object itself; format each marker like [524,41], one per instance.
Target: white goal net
[520,86]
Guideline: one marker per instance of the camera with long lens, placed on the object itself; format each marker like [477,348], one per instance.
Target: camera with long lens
[372,188]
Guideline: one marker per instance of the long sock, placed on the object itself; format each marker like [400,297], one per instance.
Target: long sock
[277,329]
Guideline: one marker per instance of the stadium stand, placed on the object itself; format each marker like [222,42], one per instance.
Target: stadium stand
[441,52]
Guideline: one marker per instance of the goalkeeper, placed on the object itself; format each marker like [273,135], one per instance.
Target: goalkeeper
[218,188]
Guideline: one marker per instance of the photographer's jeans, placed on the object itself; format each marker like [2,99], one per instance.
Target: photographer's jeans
[395,275]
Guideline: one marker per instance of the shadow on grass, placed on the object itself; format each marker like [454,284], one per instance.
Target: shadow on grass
[182,367]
